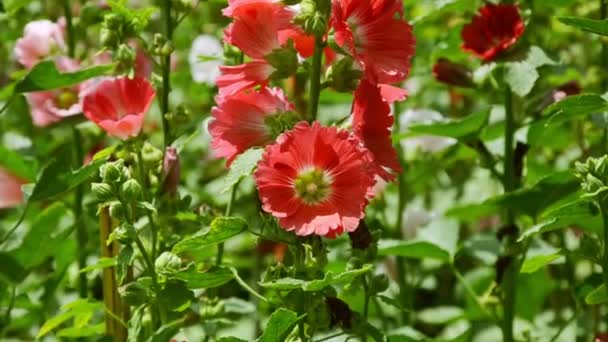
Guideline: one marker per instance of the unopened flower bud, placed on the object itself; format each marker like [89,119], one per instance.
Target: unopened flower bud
[108,38]
[117,211]
[130,190]
[167,49]
[125,234]
[151,155]
[167,263]
[102,191]
[284,61]
[112,172]
[379,283]
[171,171]
[452,74]
[125,54]
[343,75]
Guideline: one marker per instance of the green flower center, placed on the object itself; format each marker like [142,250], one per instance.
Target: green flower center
[66,99]
[313,186]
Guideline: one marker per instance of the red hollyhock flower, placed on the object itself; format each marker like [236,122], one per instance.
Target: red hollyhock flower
[315,180]
[495,29]
[372,122]
[376,36]
[245,76]
[119,105]
[240,120]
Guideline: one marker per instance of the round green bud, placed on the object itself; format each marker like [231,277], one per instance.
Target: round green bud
[131,190]
[108,38]
[379,283]
[102,191]
[111,172]
[167,263]
[117,211]
[125,234]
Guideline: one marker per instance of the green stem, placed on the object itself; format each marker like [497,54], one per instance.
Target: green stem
[604,210]
[166,74]
[604,60]
[147,197]
[365,306]
[404,290]
[509,284]
[315,79]
[469,290]
[81,232]
[152,271]
[69,29]
[220,247]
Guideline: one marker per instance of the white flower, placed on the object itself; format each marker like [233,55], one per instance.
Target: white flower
[205,59]
[425,143]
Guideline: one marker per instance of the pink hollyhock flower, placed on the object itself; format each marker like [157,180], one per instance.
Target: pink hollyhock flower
[47,107]
[375,34]
[315,180]
[39,39]
[10,189]
[494,30]
[240,77]
[119,105]
[239,121]
[171,171]
[372,122]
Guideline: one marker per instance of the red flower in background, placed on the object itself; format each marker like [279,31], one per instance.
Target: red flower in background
[239,120]
[119,105]
[374,33]
[10,189]
[372,122]
[495,29]
[315,180]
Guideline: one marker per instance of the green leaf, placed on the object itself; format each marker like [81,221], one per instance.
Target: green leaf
[17,164]
[521,74]
[57,177]
[222,229]
[573,106]
[86,331]
[286,284]
[589,25]
[11,269]
[597,296]
[465,128]
[242,167]
[77,309]
[137,292]
[103,262]
[415,249]
[45,76]
[279,325]
[213,277]
[440,314]
[40,242]
[176,296]
[230,339]
[521,77]
[166,332]
[534,263]
[12,6]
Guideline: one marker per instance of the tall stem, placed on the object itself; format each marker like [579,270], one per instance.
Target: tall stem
[315,79]
[509,284]
[220,247]
[81,233]
[144,184]
[166,73]
[404,291]
[604,210]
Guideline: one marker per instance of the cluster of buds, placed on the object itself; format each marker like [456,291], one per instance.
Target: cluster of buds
[118,190]
[161,46]
[594,176]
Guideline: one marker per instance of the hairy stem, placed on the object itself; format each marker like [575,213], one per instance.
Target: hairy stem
[166,74]
[143,178]
[220,247]
[509,284]
[315,79]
